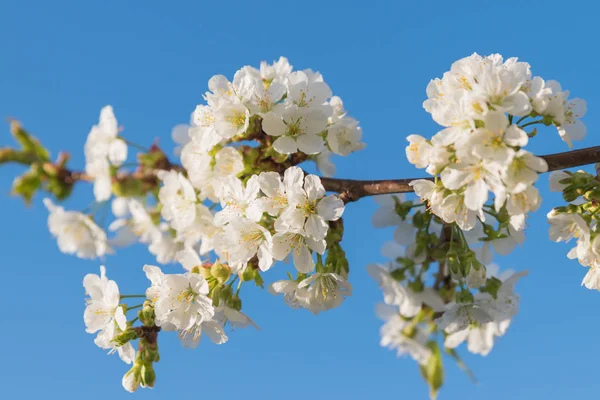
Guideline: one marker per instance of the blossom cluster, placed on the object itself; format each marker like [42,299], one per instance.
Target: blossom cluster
[483,103]
[578,220]
[414,309]
[239,203]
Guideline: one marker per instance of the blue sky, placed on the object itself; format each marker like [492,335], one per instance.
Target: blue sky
[63,60]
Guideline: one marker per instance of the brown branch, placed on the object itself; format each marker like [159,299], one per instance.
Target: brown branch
[349,189]
[352,190]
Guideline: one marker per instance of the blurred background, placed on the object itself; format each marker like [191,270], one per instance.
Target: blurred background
[61,61]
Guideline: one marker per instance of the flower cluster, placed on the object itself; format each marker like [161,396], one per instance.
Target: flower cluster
[240,202]
[414,308]
[480,149]
[578,220]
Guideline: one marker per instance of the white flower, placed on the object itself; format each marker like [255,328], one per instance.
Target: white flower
[307,89]
[103,141]
[103,313]
[592,279]
[104,145]
[235,318]
[76,233]
[523,202]
[245,239]
[296,128]
[203,132]
[539,94]
[309,209]
[393,336]
[386,214]
[276,72]
[324,164]
[178,199]
[459,316]
[258,97]
[292,295]
[325,291]
[164,246]
[231,119]
[301,247]
[480,338]
[523,171]
[99,170]
[239,201]
[180,300]
[212,328]
[555,178]
[477,179]
[564,227]
[418,151]
[277,190]
[492,142]
[180,135]
[343,137]
[566,114]
[408,301]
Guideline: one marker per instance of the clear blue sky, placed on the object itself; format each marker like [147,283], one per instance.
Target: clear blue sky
[62,61]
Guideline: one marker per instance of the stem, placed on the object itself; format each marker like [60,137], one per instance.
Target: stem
[538,121]
[133,144]
[134,307]
[521,120]
[131,296]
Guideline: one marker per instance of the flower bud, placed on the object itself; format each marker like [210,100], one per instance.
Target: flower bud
[148,376]
[132,379]
[204,270]
[477,275]
[221,272]
[235,302]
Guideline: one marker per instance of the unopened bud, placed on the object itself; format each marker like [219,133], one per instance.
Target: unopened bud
[477,274]
[148,376]
[132,379]
[221,272]
[235,302]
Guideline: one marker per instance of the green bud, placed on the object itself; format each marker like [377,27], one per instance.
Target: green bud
[225,294]
[258,280]
[492,285]
[398,274]
[235,302]
[570,194]
[125,337]
[221,272]
[146,314]
[433,371]
[148,376]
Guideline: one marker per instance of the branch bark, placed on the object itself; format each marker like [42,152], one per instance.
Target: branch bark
[353,190]
[350,189]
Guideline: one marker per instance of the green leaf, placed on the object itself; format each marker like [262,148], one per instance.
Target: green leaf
[433,371]
[27,184]
[29,143]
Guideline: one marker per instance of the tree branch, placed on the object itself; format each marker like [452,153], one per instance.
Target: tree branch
[349,189]
[352,190]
